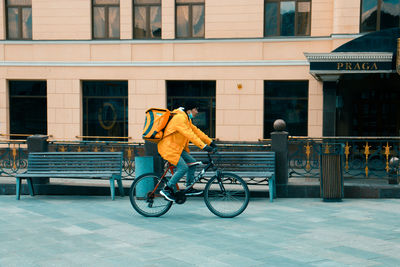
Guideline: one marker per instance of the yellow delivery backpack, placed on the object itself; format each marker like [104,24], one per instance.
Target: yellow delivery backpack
[155,123]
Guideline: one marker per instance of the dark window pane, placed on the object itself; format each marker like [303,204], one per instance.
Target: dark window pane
[28,107]
[155,21]
[203,92]
[27,23]
[113,20]
[147,1]
[140,22]
[198,21]
[369,15]
[271,19]
[288,101]
[12,23]
[99,22]
[105,106]
[303,18]
[106,2]
[19,2]
[105,88]
[390,11]
[182,21]
[190,1]
[287,18]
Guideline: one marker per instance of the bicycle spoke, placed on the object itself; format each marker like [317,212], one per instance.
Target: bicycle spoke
[227,196]
[146,199]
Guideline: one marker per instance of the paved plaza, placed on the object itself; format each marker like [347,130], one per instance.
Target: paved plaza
[95,231]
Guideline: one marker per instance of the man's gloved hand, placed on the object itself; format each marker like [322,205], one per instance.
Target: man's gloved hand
[213,144]
[208,149]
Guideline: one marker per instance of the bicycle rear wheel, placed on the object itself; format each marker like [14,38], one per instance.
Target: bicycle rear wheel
[226,196]
[146,198]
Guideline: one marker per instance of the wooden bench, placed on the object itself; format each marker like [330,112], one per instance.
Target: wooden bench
[81,165]
[246,165]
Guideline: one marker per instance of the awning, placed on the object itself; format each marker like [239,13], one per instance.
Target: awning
[371,53]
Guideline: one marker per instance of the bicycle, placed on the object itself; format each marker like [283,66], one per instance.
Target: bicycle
[225,194]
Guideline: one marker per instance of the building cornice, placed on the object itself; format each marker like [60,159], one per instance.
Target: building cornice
[254,63]
[349,57]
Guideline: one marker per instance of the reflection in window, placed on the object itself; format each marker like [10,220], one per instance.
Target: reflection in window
[203,92]
[287,18]
[287,100]
[147,19]
[379,14]
[106,20]
[28,107]
[190,18]
[19,19]
[105,108]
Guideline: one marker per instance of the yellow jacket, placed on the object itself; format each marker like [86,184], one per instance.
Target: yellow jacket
[177,135]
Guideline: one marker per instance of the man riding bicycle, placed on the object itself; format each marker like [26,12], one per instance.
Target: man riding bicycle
[174,147]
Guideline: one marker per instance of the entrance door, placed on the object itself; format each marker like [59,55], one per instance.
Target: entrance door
[368,105]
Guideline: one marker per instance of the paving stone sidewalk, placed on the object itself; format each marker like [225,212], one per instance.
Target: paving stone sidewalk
[95,231]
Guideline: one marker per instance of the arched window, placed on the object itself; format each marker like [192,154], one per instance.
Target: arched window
[379,15]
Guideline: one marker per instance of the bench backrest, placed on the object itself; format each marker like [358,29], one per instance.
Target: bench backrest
[241,161]
[75,162]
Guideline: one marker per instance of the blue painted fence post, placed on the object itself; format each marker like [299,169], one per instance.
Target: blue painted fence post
[144,165]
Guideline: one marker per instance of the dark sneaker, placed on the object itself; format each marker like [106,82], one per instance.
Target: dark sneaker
[193,192]
[168,193]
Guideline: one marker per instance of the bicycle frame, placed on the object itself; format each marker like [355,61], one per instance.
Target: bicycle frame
[170,169]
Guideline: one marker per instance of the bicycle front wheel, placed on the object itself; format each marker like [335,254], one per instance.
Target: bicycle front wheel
[226,196]
[145,195]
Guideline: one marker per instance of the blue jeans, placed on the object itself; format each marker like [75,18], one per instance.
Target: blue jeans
[182,168]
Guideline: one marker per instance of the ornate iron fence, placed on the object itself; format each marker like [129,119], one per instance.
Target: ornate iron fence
[364,157]
[13,157]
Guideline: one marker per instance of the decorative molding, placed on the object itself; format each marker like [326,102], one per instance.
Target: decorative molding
[349,57]
[154,63]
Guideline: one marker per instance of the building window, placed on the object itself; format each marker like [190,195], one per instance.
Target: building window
[190,18]
[19,19]
[106,19]
[147,19]
[287,100]
[28,107]
[105,109]
[379,15]
[287,18]
[203,92]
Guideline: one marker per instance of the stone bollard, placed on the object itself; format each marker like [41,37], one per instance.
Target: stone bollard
[38,143]
[279,144]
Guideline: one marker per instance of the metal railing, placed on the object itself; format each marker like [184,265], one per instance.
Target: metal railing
[13,157]
[364,157]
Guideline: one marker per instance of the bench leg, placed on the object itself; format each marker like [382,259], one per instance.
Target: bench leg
[30,185]
[272,189]
[120,187]
[112,188]
[18,188]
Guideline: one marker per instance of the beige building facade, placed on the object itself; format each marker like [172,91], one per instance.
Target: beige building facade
[234,52]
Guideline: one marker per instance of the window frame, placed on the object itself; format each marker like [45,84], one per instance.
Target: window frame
[85,109]
[285,98]
[20,33]
[12,97]
[190,17]
[106,20]
[211,99]
[148,24]
[279,18]
[378,17]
